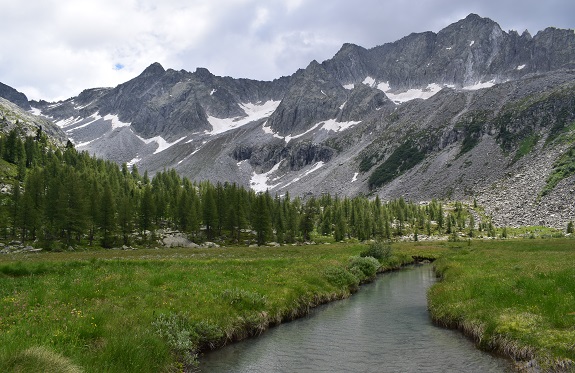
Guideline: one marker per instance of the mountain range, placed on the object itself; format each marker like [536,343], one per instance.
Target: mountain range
[469,113]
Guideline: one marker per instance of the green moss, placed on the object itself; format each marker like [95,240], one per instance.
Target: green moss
[562,169]
[404,158]
[525,147]
[472,126]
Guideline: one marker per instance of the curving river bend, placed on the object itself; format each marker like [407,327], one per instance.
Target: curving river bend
[385,327]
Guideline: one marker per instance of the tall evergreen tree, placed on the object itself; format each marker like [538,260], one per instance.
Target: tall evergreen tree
[108,216]
[210,212]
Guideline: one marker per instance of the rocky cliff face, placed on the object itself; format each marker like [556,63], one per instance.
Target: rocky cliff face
[455,114]
[12,116]
[468,52]
[14,96]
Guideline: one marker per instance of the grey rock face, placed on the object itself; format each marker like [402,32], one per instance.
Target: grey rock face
[13,116]
[14,96]
[313,96]
[469,51]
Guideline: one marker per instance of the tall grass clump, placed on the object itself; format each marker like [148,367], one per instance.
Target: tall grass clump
[41,359]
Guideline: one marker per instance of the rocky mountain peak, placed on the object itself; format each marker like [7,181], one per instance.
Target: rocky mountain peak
[203,74]
[154,69]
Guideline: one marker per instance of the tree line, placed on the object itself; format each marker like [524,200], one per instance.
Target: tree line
[62,197]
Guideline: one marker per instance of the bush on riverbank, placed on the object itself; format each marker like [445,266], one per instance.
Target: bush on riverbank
[379,250]
[363,268]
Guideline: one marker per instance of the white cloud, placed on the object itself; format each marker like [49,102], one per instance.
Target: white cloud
[53,49]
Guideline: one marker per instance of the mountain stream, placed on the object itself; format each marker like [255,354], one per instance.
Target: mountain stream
[384,327]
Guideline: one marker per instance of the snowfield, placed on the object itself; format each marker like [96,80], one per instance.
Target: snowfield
[253,112]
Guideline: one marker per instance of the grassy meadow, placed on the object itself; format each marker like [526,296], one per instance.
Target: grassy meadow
[516,297]
[151,310]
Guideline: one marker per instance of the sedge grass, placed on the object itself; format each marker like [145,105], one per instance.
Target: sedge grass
[150,310]
[516,297]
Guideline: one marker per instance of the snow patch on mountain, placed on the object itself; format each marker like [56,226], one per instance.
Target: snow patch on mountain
[479,85]
[288,138]
[259,182]
[333,125]
[83,144]
[133,161]
[116,122]
[94,117]
[35,111]
[253,112]
[314,168]
[410,94]
[349,86]
[269,131]
[162,143]
[63,123]
[369,81]
[328,125]
[521,67]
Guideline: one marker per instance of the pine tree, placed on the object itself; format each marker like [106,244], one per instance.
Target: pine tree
[340,225]
[146,211]
[210,212]
[125,218]
[16,205]
[261,221]
[471,225]
[307,220]
[108,216]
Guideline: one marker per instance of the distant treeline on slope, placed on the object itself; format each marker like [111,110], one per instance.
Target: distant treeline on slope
[62,197]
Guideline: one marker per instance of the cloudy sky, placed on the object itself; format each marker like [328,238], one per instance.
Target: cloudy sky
[53,49]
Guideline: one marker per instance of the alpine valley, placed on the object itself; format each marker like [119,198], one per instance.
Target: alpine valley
[470,112]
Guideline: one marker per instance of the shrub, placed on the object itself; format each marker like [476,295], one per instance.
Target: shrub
[341,277]
[378,250]
[180,337]
[363,268]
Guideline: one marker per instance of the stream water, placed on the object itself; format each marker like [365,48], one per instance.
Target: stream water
[385,327]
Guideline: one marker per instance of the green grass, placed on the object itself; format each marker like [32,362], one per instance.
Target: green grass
[525,147]
[151,310]
[404,158]
[513,296]
[563,168]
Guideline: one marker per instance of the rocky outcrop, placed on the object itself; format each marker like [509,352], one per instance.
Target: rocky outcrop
[14,96]
[13,116]
[313,96]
